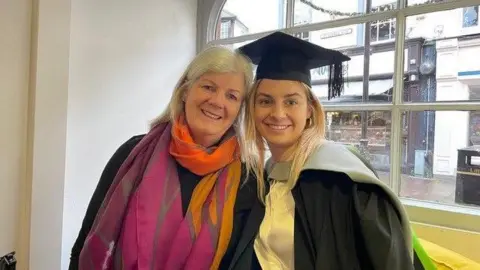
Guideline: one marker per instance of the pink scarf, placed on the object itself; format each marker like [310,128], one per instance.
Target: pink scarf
[140,224]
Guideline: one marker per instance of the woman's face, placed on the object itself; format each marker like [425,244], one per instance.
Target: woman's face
[212,104]
[281,112]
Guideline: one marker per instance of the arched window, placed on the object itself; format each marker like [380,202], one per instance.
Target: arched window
[238,18]
[408,58]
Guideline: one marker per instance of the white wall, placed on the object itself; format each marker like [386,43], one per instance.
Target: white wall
[100,70]
[452,128]
[125,58]
[14,67]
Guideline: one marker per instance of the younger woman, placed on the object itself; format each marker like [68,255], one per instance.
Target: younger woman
[324,208]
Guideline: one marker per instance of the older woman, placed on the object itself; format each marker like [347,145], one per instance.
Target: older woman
[173,198]
[323,209]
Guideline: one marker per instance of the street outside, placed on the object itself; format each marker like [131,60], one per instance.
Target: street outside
[440,190]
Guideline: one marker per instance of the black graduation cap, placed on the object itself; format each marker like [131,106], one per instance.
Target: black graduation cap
[280,56]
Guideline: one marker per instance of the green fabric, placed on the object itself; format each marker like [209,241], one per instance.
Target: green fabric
[422,254]
[417,247]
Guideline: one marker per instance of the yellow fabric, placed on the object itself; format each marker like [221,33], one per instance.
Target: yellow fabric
[274,242]
[445,259]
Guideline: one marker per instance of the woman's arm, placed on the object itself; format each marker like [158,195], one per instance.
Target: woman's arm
[103,185]
[380,231]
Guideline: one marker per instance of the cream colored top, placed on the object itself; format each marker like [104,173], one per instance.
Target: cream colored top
[274,242]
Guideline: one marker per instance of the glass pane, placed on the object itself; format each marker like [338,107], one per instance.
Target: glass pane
[441,156]
[368,131]
[470,17]
[242,17]
[237,45]
[240,44]
[423,2]
[376,80]
[441,62]
[314,11]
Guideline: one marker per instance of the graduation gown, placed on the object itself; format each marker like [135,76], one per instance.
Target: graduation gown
[345,218]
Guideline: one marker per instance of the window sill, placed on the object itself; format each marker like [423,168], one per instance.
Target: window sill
[451,216]
[377,42]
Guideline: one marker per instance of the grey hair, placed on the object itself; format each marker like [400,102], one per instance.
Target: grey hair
[216,59]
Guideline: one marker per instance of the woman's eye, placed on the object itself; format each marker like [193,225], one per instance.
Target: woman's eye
[264,101]
[291,102]
[232,97]
[208,87]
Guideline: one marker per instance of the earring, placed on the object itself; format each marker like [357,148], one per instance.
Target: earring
[309,122]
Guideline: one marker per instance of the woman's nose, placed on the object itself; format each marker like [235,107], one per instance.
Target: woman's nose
[217,99]
[278,112]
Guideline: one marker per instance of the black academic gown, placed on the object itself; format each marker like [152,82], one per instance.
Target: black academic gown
[244,201]
[340,224]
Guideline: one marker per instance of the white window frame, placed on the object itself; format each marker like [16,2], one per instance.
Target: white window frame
[463,17]
[303,35]
[453,216]
[468,30]
[226,28]
[377,23]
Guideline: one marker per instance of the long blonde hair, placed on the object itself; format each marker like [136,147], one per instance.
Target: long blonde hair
[217,59]
[311,138]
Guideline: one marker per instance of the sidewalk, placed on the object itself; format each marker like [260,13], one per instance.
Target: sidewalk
[428,189]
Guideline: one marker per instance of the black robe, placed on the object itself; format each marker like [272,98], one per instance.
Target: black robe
[340,223]
[245,199]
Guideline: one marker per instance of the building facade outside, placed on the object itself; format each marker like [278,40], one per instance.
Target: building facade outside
[441,64]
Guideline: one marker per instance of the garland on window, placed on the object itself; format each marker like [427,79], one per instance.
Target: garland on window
[330,12]
[351,14]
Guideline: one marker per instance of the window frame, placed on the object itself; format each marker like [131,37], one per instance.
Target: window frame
[391,21]
[471,29]
[303,35]
[229,28]
[463,17]
[452,216]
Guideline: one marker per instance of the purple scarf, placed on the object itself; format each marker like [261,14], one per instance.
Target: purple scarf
[140,224]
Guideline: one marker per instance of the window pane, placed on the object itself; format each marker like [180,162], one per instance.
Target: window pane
[422,2]
[376,80]
[241,17]
[240,44]
[442,62]
[314,11]
[441,156]
[237,45]
[470,17]
[368,131]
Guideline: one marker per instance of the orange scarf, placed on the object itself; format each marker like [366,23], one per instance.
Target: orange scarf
[194,157]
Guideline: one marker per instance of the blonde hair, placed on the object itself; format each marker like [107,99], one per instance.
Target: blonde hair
[311,138]
[217,59]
